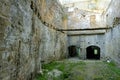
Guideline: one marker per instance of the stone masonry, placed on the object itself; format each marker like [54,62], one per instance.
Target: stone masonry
[109,41]
[29,36]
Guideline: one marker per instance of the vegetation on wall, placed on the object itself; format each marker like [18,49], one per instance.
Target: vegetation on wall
[116,21]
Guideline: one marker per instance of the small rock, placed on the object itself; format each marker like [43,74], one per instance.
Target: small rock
[54,74]
[108,61]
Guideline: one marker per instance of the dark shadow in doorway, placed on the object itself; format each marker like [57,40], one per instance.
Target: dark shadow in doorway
[72,51]
[93,52]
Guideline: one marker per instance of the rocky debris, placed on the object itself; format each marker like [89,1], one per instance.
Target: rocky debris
[54,74]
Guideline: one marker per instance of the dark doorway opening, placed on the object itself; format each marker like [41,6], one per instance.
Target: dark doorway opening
[72,51]
[93,52]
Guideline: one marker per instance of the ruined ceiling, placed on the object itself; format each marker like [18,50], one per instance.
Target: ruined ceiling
[90,5]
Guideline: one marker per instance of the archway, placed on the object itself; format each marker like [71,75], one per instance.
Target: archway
[72,51]
[93,52]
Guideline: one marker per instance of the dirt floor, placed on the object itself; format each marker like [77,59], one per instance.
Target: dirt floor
[75,69]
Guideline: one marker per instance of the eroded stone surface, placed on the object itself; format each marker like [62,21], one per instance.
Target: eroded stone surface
[109,42]
[28,36]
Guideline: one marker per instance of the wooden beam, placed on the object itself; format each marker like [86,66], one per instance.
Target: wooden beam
[85,29]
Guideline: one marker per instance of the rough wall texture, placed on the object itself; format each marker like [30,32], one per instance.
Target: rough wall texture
[112,12]
[28,36]
[109,42]
[82,42]
[112,43]
[80,19]
[113,35]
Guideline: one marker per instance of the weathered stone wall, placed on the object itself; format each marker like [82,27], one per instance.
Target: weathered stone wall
[82,42]
[112,13]
[113,36]
[109,42]
[79,19]
[112,44]
[28,35]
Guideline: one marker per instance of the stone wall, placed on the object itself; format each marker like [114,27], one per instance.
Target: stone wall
[109,42]
[29,36]
[113,36]
[112,13]
[80,19]
[84,41]
[112,44]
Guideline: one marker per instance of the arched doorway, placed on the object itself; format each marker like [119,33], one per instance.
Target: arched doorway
[93,52]
[72,51]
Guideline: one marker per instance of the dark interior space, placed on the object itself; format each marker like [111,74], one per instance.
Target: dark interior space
[93,52]
[72,51]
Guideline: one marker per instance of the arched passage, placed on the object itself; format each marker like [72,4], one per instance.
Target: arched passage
[72,51]
[93,52]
